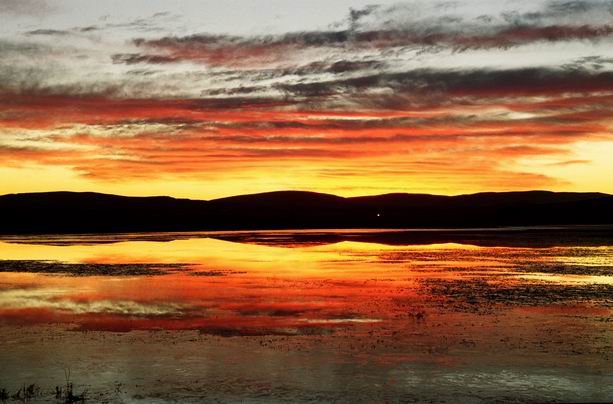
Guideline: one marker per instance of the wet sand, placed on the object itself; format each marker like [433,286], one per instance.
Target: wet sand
[220,321]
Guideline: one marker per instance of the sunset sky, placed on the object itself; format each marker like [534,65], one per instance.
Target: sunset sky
[210,98]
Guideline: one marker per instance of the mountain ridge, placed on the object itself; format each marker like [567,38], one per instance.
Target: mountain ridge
[71,212]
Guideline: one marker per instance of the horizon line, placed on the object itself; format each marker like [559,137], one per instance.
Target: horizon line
[310,192]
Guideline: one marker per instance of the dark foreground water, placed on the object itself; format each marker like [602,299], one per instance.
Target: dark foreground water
[504,316]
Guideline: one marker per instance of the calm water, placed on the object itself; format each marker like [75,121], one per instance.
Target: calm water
[299,316]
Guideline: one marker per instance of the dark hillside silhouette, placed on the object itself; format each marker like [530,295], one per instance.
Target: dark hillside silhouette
[71,212]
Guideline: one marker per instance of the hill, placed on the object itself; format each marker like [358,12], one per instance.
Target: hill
[74,212]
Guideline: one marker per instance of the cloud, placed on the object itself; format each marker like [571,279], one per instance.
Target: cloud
[121,138]
[431,91]
[51,32]
[475,82]
[134,58]
[236,51]
[34,8]
[402,27]
[570,162]
[574,9]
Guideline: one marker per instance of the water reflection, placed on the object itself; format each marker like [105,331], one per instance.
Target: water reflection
[257,287]
[309,316]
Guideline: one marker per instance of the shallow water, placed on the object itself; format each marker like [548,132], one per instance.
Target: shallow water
[302,316]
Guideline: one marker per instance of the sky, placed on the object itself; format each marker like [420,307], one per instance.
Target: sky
[205,99]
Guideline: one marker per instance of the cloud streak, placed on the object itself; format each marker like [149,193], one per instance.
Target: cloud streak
[394,28]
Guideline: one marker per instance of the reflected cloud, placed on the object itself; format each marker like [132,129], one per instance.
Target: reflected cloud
[256,285]
[56,300]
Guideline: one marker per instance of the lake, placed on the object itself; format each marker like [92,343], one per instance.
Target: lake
[515,315]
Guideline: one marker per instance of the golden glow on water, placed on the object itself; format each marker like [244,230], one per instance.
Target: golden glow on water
[279,287]
[215,254]
[570,279]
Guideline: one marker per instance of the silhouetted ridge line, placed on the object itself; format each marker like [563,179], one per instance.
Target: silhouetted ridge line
[88,212]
